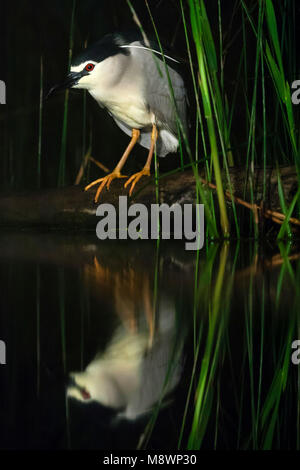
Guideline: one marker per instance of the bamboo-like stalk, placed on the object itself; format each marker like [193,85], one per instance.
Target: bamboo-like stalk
[62,163]
[205,389]
[196,14]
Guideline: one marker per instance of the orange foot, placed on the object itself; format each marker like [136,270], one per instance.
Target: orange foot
[105,181]
[135,178]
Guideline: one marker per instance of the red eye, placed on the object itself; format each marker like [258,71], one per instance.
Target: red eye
[89,67]
[85,394]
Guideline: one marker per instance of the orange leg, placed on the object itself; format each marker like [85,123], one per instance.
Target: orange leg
[116,173]
[146,170]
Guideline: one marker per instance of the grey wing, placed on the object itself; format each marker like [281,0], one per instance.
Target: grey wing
[159,93]
[159,100]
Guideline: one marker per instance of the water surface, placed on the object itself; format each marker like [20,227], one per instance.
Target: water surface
[136,344]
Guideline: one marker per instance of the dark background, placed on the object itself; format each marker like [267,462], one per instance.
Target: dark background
[32,32]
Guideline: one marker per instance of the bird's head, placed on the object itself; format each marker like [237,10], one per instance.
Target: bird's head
[100,64]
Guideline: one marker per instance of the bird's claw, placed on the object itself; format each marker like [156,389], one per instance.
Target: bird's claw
[135,178]
[105,181]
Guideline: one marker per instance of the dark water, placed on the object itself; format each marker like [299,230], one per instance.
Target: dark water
[103,340]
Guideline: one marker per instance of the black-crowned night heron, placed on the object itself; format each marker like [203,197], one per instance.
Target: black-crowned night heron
[132,82]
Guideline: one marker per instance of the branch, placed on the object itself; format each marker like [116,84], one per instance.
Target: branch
[71,207]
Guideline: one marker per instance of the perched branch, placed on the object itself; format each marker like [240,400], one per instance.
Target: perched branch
[71,207]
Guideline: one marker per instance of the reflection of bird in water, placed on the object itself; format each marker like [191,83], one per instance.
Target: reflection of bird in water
[127,288]
[113,376]
[129,375]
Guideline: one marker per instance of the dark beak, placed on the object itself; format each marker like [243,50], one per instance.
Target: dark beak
[71,80]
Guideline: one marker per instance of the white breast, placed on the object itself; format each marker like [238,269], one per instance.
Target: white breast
[114,88]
